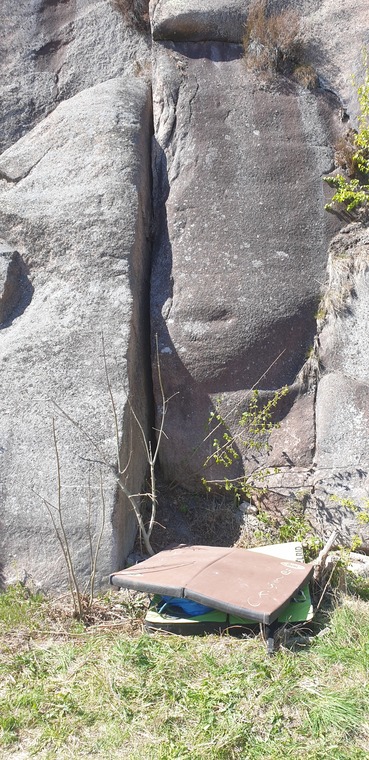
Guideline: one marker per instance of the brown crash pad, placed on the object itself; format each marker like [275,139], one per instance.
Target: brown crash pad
[236,581]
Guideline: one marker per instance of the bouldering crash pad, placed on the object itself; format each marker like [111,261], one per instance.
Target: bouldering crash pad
[243,583]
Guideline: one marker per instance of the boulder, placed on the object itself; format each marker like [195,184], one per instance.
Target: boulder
[333,36]
[241,243]
[196,20]
[341,478]
[241,238]
[54,49]
[239,246]
[74,220]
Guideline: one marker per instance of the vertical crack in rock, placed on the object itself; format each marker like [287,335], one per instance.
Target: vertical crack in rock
[192,98]
[178,92]
[16,289]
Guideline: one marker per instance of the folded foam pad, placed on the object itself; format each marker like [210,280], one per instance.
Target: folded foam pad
[171,618]
[236,581]
[168,572]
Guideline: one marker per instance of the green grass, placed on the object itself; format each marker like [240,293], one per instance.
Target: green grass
[110,693]
[18,607]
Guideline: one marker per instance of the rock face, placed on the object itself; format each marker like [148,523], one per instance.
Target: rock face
[74,223]
[242,233]
[196,20]
[342,405]
[218,197]
[54,49]
[333,35]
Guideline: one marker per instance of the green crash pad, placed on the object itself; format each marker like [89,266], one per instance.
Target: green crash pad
[173,620]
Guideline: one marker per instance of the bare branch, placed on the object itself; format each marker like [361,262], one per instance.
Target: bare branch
[98,543]
[117,477]
[320,561]
[84,432]
[164,403]
[137,511]
[74,586]
[89,522]
[153,496]
[141,431]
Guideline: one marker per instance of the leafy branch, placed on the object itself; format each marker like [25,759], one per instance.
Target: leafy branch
[252,436]
[353,193]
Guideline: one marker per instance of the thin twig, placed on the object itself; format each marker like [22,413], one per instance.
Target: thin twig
[319,563]
[115,416]
[231,411]
[98,543]
[117,470]
[74,585]
[112,468]
[325,587]
[89,532]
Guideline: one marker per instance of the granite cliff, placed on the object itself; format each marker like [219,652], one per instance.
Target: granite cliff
[152,184]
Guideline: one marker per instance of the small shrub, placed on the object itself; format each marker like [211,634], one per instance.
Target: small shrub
[352,154]
[294,526]
[358,586]
[345,150]
[306,76]
[255,425]
[352,194]
[271,42]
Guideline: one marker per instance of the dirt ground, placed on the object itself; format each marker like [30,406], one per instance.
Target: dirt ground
[189,518]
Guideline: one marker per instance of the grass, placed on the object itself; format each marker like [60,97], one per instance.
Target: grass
[271,40]
[116,692]
[273,43]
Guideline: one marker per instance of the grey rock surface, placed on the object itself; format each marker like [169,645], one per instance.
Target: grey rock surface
[74,203]
[342,403]
[53,49]
[242,234]
[227,205]
[240,245]
[333,33]
[194,20]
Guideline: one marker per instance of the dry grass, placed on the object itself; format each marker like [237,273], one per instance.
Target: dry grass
[135,13]
[216,523]
[193,518]
[306,76]
[345,150]
[271,42]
